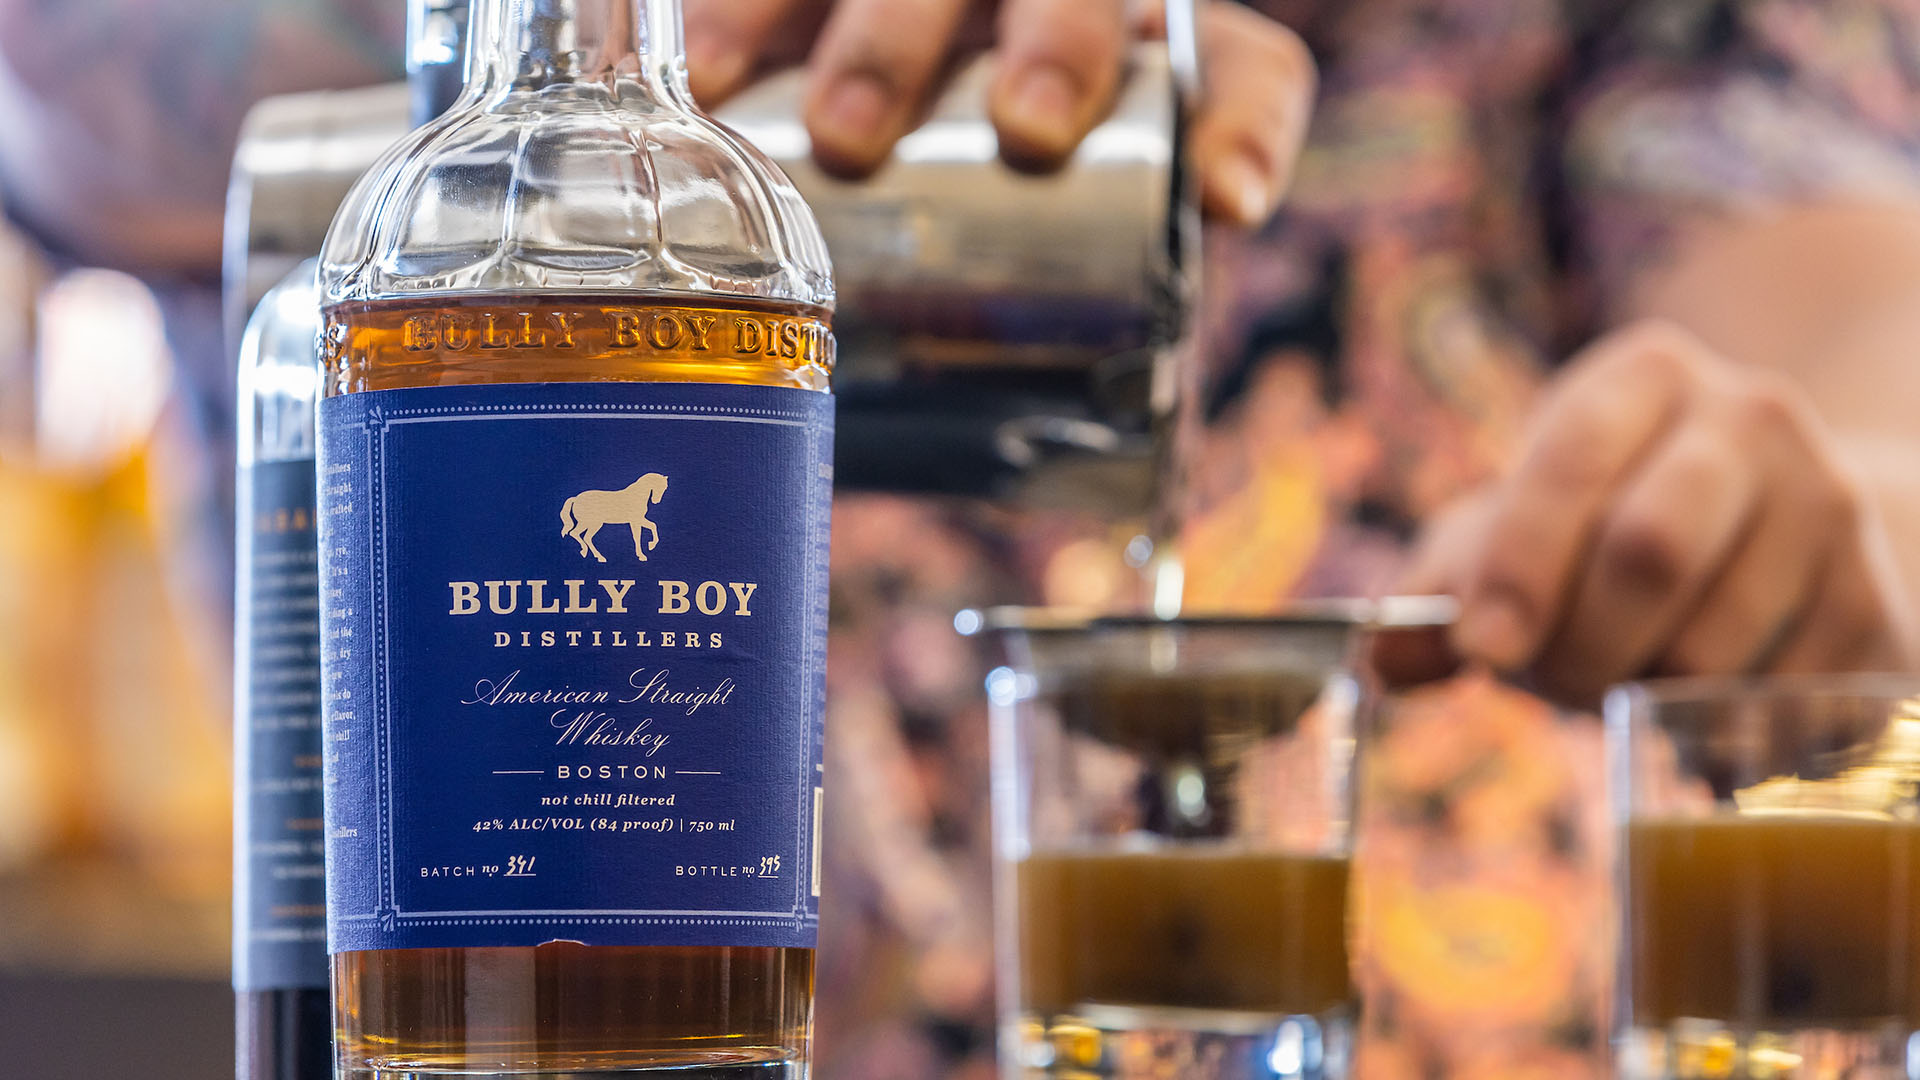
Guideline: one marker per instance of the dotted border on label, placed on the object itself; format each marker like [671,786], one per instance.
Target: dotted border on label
[635,410]
[377,419]
[447,920]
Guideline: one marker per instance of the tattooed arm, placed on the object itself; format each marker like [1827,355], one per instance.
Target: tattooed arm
[118,117]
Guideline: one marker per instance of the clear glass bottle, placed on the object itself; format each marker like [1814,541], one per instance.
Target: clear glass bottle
[282,1009]
[282,1027]
[573,787]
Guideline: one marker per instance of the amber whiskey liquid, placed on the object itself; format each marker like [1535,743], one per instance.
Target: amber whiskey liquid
[562,1007]
[1215,929]
[1774,921]
[1181,910]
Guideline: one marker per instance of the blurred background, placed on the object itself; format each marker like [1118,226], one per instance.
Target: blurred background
[1487,184]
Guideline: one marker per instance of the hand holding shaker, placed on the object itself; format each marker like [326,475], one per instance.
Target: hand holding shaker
[1002,333]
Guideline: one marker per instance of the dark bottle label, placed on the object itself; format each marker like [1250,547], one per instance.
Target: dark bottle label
[279,921]
[575,646]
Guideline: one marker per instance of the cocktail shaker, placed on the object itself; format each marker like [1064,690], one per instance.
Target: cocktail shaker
[1003,333]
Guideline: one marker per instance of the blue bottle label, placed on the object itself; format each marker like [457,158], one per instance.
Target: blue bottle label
[575,643]
[279,925]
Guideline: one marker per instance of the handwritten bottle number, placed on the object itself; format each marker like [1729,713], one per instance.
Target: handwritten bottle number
[522,866]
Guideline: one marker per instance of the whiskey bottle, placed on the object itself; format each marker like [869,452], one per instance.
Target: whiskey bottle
[279,948]
[574,469]
[282,1010]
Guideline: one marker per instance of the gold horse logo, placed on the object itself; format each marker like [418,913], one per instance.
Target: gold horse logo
[585,513]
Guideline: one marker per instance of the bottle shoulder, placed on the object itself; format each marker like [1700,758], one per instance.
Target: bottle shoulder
[580,188]
[282,331]
[279,372]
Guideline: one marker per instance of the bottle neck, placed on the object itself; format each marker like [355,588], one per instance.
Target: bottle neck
[436,56]
[529,44]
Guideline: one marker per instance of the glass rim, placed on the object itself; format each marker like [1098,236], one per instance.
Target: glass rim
[1695,689]
[1386,613]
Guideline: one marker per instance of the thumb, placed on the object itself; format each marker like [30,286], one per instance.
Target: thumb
[1438,567]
